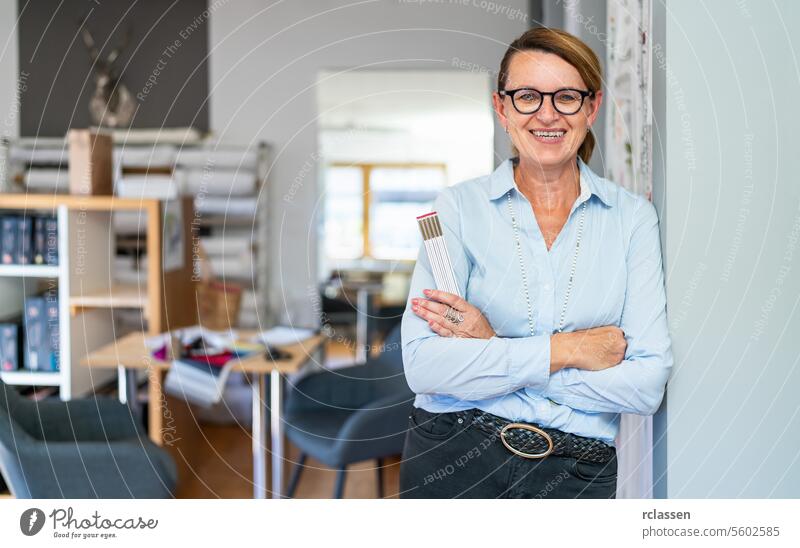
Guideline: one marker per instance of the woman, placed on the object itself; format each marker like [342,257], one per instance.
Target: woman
[563,323]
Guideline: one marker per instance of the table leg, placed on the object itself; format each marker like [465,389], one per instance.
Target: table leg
[362,325]
[156,405]
[126,388]
[259,437]
[276,432]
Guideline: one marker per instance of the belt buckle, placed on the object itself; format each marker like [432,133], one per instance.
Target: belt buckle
[531,428]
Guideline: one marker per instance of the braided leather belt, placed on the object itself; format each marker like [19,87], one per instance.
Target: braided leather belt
[536,442]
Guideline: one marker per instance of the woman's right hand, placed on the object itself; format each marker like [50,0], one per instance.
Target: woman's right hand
[589,349]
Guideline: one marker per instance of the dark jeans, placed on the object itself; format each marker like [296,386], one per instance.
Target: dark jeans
[443,458]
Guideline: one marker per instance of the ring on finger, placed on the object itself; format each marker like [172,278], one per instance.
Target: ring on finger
[453,316]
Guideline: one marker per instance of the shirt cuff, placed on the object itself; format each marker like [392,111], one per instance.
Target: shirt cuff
[529,362]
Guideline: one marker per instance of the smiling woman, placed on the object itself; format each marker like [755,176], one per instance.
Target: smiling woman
[558,63]
[562,326]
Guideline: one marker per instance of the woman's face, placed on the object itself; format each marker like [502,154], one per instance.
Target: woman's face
[545,72]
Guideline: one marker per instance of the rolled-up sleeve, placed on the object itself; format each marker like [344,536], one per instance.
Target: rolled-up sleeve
[637,384]
[467,369]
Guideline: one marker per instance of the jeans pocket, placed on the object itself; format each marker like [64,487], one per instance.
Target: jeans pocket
[435,426]
[595,472]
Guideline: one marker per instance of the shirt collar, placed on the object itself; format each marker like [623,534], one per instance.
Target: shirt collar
[502,180]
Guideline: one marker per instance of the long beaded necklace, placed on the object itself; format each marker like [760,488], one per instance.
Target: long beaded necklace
[524,270]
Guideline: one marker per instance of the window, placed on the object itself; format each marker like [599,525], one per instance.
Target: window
[344,216]
[371,209]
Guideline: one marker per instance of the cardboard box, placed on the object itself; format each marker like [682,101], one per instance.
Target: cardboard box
[90,162]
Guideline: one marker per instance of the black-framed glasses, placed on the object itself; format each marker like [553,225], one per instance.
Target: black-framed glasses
[528,100]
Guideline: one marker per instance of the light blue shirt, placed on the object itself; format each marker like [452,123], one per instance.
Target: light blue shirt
[618,281]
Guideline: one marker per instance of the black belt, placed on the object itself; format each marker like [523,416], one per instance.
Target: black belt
[533,441]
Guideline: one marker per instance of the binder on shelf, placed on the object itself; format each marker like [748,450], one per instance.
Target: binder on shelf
[51,317]
[51,240]
[29,239]
[41,332]
[45,240]
[10,345]
[8,239]
[38,240]
[35,337]
[25,240]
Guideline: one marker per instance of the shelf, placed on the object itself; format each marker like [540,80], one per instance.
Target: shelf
[31,378]
[217,219]
[118,296]
[29,270]
[88,203]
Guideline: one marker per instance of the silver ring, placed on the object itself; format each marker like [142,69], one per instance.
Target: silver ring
[453,316]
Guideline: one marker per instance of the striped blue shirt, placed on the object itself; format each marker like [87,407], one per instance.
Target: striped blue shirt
[619,281]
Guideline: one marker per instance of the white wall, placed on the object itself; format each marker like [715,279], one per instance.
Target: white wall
[396,116]
[265,57]
[8,69]
[9,116]
[731,427]
[659,44]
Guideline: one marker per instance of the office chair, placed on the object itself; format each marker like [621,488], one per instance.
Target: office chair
[84,448]
[352,414]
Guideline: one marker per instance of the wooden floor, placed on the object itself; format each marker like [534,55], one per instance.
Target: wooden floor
[223,468]
[218,464]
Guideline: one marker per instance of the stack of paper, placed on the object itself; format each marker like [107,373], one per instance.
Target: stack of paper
[283,335]
[218,157]
[218,181]
[162,187]
[145,156]
[129,222]
[229,243]
[197,382]
[47,179]
[228,206]
[40,155]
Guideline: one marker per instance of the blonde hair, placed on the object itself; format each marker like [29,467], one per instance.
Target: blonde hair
[572,50]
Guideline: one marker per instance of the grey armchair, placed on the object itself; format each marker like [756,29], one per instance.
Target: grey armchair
[348,415]
[87,448]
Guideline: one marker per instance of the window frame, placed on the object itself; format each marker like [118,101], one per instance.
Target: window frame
[366,172]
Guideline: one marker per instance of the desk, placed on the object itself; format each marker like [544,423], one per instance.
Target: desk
[130,352]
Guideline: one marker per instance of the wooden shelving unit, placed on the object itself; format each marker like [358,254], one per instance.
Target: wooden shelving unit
[87,291]
[52,154]
[117,296]
[33,378]
[29,270]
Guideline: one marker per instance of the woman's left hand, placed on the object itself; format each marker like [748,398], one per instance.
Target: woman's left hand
[434,310]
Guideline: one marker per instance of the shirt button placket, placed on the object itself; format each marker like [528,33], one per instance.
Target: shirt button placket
[547,318]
